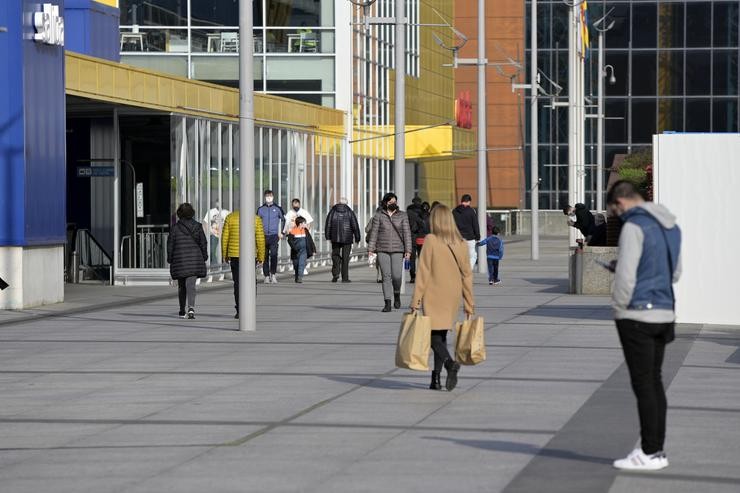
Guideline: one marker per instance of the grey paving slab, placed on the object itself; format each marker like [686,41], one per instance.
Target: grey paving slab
[112,392]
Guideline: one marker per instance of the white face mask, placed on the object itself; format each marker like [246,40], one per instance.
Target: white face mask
[268,200]
[572,217]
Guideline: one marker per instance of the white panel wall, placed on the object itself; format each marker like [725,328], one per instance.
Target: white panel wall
[697,176]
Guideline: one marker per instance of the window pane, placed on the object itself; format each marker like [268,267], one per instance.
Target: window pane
[670,115]
[697,115]
[643,74]
[724,72]
[670,33]
[643,121]
[300,74]
[615,125]
[619,61]
[618,36]
[222,69]
[221,41]
[304,40]
[698,72]
[725,115]
[158,40]
[175,65]
[644,26]
[299,13]
[698,24]
[670,73]
[219,13]
[726,24]
[154,12]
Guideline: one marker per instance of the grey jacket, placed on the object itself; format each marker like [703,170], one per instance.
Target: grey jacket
[632,242]
[384,237]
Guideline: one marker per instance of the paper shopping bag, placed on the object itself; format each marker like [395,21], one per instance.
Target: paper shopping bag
[414,342]
[470,343]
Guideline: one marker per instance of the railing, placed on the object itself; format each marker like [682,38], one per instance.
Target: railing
[90,259]
[151,240]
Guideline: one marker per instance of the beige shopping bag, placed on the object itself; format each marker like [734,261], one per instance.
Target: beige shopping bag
[470,343]
[414,342]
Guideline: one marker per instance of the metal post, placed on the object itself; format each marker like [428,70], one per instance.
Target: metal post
[572,115]
[247,274]
[534,140]
[600,130]
[399,155]
[482,129]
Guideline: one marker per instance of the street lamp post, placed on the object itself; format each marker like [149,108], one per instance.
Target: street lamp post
[247,274]
[399,151]
[534,139]
[482,134]
[600,112]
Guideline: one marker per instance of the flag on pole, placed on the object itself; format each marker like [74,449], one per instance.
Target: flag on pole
[584,42]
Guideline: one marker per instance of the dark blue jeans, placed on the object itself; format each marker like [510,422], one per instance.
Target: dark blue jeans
[269,266]
[493,270]
[299,262]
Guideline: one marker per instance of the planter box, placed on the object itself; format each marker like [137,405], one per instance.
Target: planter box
[588,277]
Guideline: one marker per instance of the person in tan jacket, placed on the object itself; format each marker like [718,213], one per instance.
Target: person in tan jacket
[443,277]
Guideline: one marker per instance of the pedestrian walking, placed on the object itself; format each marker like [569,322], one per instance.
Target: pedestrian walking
[494,253]
[295,211]
[214,222]
[390,238]
[273,222]
[644,310]
[230,248]
[444,277]
[187,252]
[341,229]
[417,224]
[301,247]
[466,220]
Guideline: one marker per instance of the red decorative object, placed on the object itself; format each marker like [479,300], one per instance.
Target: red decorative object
[464,110]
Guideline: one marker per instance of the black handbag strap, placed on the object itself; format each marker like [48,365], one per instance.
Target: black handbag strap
[398,232]
[456,262]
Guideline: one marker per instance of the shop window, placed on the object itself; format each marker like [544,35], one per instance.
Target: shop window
[615,126]
[671,25]
[670,115]
[724,72]
[620,62]
[644,26]
[153,12]
[619,35]
[725,115]
[726,24]
[698,72]
[698,24]
[670,73]
[643,121]
[643,74]
[697,115]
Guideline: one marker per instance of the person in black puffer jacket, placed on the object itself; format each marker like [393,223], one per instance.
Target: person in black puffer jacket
[342,229]
[187,252]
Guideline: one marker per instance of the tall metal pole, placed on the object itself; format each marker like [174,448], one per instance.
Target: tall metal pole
[247,274]
[534,140]
[482,130]
[572,116]
[600,130]
[399,155]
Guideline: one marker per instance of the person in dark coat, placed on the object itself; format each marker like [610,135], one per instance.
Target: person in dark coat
[342,229]
[187,252]
[466,219]
[418,213]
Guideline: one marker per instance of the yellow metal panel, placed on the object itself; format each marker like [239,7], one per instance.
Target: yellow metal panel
[423,143]
[109,3]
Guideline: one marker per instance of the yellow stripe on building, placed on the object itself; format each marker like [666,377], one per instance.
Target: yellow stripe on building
[109,3]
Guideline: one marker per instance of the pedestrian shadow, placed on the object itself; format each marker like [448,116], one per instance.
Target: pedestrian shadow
[377,383]
[526,449]
[347,308]
[576,312]
[555,285]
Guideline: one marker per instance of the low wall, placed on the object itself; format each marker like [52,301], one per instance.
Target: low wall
[552,223]
[586,275]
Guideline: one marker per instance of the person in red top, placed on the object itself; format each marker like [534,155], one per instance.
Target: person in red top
[298,241]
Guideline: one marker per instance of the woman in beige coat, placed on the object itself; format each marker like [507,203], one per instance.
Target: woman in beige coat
[443,277]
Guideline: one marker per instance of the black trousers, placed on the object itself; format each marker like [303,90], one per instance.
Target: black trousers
[439,348]
[493,269]
[186,292]
[415,252]
[269,266]
[340,254]
[644,347]
[235,275]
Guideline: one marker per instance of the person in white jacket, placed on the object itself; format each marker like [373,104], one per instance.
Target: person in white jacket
[295,211]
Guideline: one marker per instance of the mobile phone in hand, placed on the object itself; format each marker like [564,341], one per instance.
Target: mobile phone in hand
[610,266]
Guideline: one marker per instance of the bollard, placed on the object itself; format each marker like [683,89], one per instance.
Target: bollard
[75,277]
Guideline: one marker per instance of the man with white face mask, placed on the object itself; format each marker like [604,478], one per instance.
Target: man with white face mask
[273,222]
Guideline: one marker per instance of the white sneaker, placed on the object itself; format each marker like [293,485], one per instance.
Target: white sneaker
[305,272]
[274,279]
[637,460]
[268,279]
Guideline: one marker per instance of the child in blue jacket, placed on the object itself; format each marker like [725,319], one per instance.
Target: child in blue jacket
[494,252]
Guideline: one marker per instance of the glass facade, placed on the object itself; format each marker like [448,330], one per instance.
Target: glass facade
[294,43]
[676,69]
[294,164]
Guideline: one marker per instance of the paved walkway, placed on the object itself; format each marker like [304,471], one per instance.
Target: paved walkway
[130,398]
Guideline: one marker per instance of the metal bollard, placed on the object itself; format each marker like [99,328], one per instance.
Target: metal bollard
[75,277]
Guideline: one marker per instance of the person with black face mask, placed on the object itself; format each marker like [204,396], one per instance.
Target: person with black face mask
[390,238]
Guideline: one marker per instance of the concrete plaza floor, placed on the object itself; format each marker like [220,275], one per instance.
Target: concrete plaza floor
[126,397]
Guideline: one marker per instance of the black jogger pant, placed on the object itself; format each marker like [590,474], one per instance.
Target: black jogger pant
[644,346]
[340,254]
[186,292]
[234,261]
[439,347]
[270,265]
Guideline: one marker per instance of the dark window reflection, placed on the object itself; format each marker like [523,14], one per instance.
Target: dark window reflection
[643,74]
[725,115]
[697,115]
[154,12]
[726,24]
[619,61]
[643,121]
[644,22]
[698,72]
[670,33]
[670,115]
[615,125]
[724,72]
[698,24]
[670,73]
[294,13]
[619,35]
[610,152]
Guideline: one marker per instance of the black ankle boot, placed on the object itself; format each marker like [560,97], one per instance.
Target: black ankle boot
[387,306]
[397,300]
[452,368]
[436,384]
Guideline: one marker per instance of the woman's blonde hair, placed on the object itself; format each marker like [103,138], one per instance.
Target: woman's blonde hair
[443,225]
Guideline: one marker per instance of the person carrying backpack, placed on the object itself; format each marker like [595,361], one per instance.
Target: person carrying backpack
[494,253]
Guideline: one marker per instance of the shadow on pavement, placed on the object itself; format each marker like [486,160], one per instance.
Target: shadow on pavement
[572,311]
[378,383]
[526,449]
[556,285]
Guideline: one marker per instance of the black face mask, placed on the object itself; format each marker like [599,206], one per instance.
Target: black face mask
[296,208]
[392,207]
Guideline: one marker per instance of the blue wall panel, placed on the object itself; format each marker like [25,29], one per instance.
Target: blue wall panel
[92,29]
[12,171]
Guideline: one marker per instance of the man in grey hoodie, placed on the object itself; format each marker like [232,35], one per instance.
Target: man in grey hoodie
[647,266]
